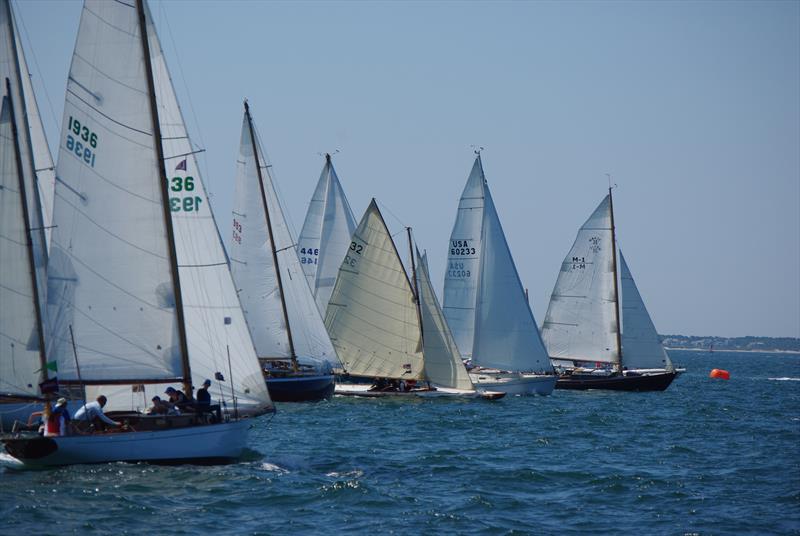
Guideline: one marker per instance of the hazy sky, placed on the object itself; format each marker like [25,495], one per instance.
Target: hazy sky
[693,107]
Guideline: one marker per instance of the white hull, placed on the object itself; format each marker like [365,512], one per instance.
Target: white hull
[213,442]
[363,390]
[514,383]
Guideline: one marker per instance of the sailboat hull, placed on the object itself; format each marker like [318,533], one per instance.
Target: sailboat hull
[514,383]
[301,388]
[213,443]
[644,382]
[363,390]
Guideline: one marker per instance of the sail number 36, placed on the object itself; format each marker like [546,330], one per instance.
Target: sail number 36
[81,141]
[185,204]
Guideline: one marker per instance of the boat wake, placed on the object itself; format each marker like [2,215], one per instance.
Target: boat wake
[784,379]
[266,466]
[8,459]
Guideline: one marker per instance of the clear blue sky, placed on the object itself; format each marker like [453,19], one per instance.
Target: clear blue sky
[693,107]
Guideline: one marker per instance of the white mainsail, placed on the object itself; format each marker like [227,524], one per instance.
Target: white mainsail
[326,234]
[581,320]
[641,347]
[506,334]
[216,331]
[443,365]
[372,316]
[484,300]
[255,272]
[463,262]
[19,327]
[110,273]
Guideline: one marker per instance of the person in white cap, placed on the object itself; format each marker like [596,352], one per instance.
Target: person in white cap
[57,423]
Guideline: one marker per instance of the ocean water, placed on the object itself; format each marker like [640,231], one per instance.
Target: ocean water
[706,456]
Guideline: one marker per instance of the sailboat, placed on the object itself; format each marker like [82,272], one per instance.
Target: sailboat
[384,329]
[582,329]
[26,196]
[485,303]
[139,292]
[326,233]
[286,326]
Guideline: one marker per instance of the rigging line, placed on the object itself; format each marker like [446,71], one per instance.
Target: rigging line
[54,117]
[392,214]
[95,109]
[182,154]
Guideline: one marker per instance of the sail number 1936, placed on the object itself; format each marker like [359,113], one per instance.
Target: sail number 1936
[81,141]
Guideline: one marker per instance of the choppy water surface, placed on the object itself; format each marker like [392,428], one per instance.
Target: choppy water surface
[705,456]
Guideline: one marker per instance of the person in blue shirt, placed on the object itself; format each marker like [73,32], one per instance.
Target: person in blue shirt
[204,397]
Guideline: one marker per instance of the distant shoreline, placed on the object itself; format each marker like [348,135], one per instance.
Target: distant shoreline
[737,351]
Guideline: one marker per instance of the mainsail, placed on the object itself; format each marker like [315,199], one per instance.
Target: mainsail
[641,346]
[326,234]
[484,300]
[443,365]
[372,316]
[255,271]
[581,322]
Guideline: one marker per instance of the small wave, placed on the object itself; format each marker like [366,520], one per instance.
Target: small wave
[347,474]
[785,379]
[266,466]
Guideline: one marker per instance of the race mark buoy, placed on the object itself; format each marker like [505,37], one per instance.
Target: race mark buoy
[720,374]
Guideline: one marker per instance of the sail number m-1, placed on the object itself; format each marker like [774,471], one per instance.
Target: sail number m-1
[185,204]
[81,141]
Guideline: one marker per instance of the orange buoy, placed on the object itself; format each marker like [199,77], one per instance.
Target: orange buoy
[720,374]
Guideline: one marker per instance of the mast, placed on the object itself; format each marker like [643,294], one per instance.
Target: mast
[614,267]
[173,257]
[29,239]
[271,238]
[416,285]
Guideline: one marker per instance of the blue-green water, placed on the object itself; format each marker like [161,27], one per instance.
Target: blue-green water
[706,456]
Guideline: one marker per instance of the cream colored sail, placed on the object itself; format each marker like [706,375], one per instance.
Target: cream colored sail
[372,317]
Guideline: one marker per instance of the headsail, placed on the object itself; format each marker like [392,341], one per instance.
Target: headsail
[443,365]
[110,271]
[326,234]
[371,316]
[254,268]
[581,319]
[641,346]
[506,334]
[463,262]
[215,324]
[19,327]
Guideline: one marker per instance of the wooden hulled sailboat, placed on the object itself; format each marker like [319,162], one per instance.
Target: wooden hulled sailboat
[485,303]
[382,331]
[286,326]
[139,292]
[326,233]
[26,196]
[582,330]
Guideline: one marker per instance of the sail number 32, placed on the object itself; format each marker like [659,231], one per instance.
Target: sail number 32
[185,204]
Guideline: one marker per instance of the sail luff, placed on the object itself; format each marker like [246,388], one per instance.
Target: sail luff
[616,278]
[27,223]
[415,285]
[292,353]
[165,201]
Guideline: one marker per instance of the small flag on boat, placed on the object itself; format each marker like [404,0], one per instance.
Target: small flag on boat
[181,165]
[219,377]
[227,321]
[407,368]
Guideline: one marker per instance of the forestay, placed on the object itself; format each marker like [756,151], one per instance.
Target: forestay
[19,327]
[254,269]
[641,347]
[215,324]
[371,316]
[506,334]
[463,262]
[326,234]
[443,365]
[110,268]
[581,319]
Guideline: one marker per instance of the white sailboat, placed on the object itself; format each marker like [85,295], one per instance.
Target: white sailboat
[26,195]
[285,324]
[485,303]
[139,294]
[582,329]
[382,331]
[326,233]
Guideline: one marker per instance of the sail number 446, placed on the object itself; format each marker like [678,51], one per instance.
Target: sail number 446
[185,204]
